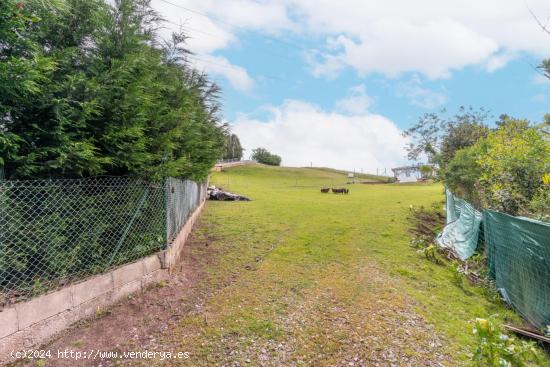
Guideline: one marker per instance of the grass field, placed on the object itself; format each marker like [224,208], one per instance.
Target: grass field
[312,279]
[363,177]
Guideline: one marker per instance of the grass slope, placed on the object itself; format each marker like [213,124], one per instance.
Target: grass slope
[310,279]
[366,177]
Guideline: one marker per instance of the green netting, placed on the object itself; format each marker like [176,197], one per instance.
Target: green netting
[462,230]
[518,251]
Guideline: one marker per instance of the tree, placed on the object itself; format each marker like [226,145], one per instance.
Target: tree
[232,147]
[427,171]
[439,137]
[262,155]
[89,89]
[24,69]
[513,164]
[505,171]
[463,173]
[545,68]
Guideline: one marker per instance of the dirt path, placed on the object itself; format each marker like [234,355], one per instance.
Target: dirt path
[136,323]
[316,325]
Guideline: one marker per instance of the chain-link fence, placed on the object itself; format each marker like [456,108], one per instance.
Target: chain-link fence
[53,232]
[184,197]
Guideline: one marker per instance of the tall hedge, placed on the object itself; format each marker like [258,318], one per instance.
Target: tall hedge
[88,88]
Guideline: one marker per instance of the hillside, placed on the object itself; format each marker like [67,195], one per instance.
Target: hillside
[297,176]
[364,177]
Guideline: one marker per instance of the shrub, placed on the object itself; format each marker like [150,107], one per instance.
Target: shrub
[462,174]
[496,349]
[506,171]
[262,155]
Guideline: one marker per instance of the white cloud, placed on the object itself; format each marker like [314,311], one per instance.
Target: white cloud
[498,61]
[430,37]
[420,96]
[236,75]
[207,35]
[356,102]
[303,133]
[433,48]
[329,67]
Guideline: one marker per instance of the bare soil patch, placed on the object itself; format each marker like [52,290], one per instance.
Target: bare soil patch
[135,323]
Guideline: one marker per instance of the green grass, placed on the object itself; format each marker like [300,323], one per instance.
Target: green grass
[325,277]
[365,177]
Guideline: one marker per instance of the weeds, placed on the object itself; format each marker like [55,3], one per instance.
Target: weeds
[493,348]
[497,349]
[426,223]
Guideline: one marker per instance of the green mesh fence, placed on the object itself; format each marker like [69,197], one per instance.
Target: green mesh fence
[53,232]
[518,251]
[518,254]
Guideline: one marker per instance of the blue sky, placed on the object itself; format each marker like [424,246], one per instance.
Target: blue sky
[335,83]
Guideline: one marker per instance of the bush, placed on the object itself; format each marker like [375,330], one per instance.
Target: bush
[462,174]
[496,349]
[262,155]
[516,158]
[507,171]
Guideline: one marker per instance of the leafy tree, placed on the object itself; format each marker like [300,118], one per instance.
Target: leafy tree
[232,147]
[545,68]
[24,69]
[427,171]
[262,155]
[89,89]
[505,171]
[463,172]
[439,137]
[513,166]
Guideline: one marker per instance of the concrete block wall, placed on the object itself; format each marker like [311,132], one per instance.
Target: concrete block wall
[32,323]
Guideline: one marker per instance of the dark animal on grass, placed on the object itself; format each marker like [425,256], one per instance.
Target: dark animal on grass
[325,190]
[340,191]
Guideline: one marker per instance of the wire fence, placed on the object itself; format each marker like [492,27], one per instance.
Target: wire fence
[184,197]
[53,232]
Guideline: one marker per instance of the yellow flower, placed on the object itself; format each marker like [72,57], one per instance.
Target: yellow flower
[483,324]
[546,179]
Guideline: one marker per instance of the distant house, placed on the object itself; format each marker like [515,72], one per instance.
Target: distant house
[411,173]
